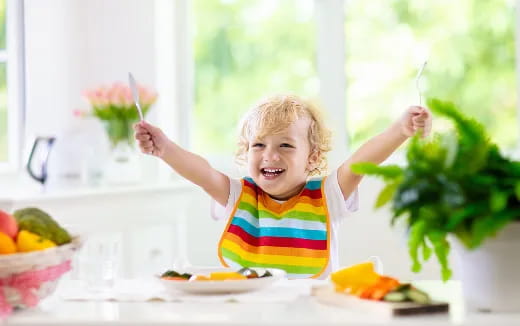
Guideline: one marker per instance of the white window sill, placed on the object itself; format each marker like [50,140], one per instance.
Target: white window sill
[35,193]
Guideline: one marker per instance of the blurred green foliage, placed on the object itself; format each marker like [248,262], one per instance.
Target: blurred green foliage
[245,50]
[470,50]
[3,26]
[3,90]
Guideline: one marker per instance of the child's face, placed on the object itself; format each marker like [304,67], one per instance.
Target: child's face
[280,163]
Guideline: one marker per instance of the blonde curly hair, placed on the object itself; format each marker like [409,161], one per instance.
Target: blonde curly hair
[273,115]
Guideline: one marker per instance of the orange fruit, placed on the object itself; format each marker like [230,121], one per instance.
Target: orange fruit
[7,245]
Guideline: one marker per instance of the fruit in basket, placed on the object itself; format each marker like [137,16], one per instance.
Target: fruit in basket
[27,241]
[8,224]
[38,222]
[7,245]
[27,278]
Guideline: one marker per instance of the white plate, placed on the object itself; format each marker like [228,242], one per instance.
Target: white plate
[222,287]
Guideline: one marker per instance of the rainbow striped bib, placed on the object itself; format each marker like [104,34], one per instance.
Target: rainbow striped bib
[293,236]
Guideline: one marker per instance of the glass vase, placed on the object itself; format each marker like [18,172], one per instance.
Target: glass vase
[123,165]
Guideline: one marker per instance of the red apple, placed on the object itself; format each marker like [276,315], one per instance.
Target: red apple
[8,224]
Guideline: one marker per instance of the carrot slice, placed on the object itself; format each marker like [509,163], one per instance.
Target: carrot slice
[173,278]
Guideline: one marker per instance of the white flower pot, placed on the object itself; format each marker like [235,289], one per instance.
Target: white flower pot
[490,274]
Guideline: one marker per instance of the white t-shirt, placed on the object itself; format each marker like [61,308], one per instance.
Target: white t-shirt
[338,207]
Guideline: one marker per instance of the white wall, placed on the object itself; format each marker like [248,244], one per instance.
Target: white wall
[75,44]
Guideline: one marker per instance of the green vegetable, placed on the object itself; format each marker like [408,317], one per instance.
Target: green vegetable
[454,184]
[395,296]
[172,273]
[37,221]
[407,292]
[267,274]
[417,295]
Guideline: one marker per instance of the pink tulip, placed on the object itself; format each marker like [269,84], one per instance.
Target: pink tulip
[118,95]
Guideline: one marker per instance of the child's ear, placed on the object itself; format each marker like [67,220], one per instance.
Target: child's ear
[313,160]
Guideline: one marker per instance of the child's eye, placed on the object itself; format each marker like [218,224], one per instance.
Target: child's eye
[286,145]
[258,145]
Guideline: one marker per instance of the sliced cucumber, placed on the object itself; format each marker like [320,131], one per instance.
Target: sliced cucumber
[395,296]
[402,288]
[417,295]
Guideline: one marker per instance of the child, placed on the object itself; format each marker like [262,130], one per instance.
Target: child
[277,216]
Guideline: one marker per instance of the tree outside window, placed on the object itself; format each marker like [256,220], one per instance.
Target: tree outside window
[245,50]
[470,50]
[3,84]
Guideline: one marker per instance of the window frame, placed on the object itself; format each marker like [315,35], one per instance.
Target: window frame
[13,56]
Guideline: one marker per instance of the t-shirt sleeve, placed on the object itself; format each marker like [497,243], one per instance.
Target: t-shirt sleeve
[219,212]
[339,207]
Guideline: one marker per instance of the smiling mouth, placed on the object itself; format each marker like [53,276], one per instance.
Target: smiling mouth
[271,173]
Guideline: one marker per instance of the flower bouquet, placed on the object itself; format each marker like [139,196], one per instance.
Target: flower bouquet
[114,106]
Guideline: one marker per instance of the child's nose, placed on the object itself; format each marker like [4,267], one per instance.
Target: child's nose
[271,155]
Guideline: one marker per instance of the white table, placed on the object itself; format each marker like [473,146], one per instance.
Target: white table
[302,311]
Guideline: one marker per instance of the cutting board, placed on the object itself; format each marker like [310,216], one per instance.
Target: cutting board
[327,295]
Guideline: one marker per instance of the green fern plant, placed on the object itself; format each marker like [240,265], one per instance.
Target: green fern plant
[456,183]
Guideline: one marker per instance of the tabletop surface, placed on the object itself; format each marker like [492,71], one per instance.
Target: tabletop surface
[302,310]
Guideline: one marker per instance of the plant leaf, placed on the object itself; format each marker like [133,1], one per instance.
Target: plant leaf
[460,215]
[386,194]
[498,201]
[427,251]
[489,226]
[387,172]
[451,143]
[441,248]
[415,239]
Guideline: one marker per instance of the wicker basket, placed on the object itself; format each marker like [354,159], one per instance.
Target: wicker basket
[16,265]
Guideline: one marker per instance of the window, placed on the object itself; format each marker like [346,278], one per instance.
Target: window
[3,85]
[470,49]
[245,50]
[10,82]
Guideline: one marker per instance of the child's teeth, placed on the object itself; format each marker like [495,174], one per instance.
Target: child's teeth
[273,170]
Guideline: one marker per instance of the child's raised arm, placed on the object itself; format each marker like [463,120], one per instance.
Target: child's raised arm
[378,148]
[196,169]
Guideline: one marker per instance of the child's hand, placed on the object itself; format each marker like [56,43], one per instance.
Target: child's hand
[416,118]
[151,139]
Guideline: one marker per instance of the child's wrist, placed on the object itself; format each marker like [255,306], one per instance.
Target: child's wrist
[397,129]
[165,153]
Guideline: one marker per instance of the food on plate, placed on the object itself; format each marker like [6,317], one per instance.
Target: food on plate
[29,229]
[362,281]
[242,274]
